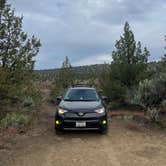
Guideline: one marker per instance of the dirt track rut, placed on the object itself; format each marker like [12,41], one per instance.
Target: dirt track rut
[122,146]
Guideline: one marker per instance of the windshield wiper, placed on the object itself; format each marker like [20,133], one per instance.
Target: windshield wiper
[68,100]
[89,100]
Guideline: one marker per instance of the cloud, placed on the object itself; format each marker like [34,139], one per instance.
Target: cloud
[98,59]
[116,11]
[86,30]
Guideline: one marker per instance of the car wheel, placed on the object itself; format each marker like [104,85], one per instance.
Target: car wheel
[103,131]
[58,131]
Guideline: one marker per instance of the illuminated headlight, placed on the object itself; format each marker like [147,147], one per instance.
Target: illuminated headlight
[100,111]
[61,111]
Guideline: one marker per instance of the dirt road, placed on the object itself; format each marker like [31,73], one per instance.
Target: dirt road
[122,146]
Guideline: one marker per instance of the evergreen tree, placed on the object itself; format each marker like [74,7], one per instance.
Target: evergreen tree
[163,66]
[138,53]
[128,67]
[129,62]
[17,53]
[66,63]
[164,57]
[2,4]
[64,79]
[125,47]
[66,76]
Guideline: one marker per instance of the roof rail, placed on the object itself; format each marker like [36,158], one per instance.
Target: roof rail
[82,85]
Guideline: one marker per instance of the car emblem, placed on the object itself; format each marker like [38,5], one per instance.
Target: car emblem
[80,113]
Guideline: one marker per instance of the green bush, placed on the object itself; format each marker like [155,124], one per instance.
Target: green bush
[28,101]
[132,97]
[30,96]
[53,99]
[153,114]
[156,116]
[146,94]
[151,93]
[14,120]
[115,91]
[111,87]
[163,122]
[163,105]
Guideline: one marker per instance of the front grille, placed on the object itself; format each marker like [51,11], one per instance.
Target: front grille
[76,116]
[80,118]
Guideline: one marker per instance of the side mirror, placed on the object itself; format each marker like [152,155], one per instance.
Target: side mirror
[59,98]
[104,98]
[100,92]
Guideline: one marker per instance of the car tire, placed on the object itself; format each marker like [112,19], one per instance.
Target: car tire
[103,131]
[58,131]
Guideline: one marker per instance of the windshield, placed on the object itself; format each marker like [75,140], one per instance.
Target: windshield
[81,95]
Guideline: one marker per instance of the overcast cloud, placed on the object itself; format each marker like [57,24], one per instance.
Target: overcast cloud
[86,30]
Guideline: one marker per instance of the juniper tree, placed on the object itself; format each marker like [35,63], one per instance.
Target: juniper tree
[17,52]
[66,63]
[129,61]
[164,57]
[66,76]
[163,66]
[2,4]
[64,79]
[128,66]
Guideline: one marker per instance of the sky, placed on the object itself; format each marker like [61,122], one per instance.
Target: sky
[86,30]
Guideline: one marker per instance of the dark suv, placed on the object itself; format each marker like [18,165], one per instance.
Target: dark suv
[81,108]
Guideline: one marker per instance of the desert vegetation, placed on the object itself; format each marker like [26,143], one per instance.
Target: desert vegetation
[136,105]
[129,79]
[17,52]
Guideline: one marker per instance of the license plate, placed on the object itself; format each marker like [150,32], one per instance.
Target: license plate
[80,124]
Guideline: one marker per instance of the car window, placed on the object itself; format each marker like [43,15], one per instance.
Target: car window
[81,95]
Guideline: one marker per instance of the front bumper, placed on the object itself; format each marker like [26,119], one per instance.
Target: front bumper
[92,123]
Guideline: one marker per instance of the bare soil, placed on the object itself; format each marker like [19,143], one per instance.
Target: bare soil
[126,144]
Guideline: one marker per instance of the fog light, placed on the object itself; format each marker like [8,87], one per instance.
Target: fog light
[57,122]
[104,122]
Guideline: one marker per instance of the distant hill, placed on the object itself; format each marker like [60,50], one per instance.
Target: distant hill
[86,72]
[82,72]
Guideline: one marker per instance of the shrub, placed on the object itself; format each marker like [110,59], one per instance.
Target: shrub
[111,87]
[28,101]
[156,116]
[151,93]
[52,99]
[153,114]
[132,97]
[116,91]
[14,120]
[163,105]
[146,94]
[163,122]
[31,96]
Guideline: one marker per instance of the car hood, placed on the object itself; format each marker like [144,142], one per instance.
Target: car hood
[80,105]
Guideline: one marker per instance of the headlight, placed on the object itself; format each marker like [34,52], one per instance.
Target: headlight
[61,111]
[100,111]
